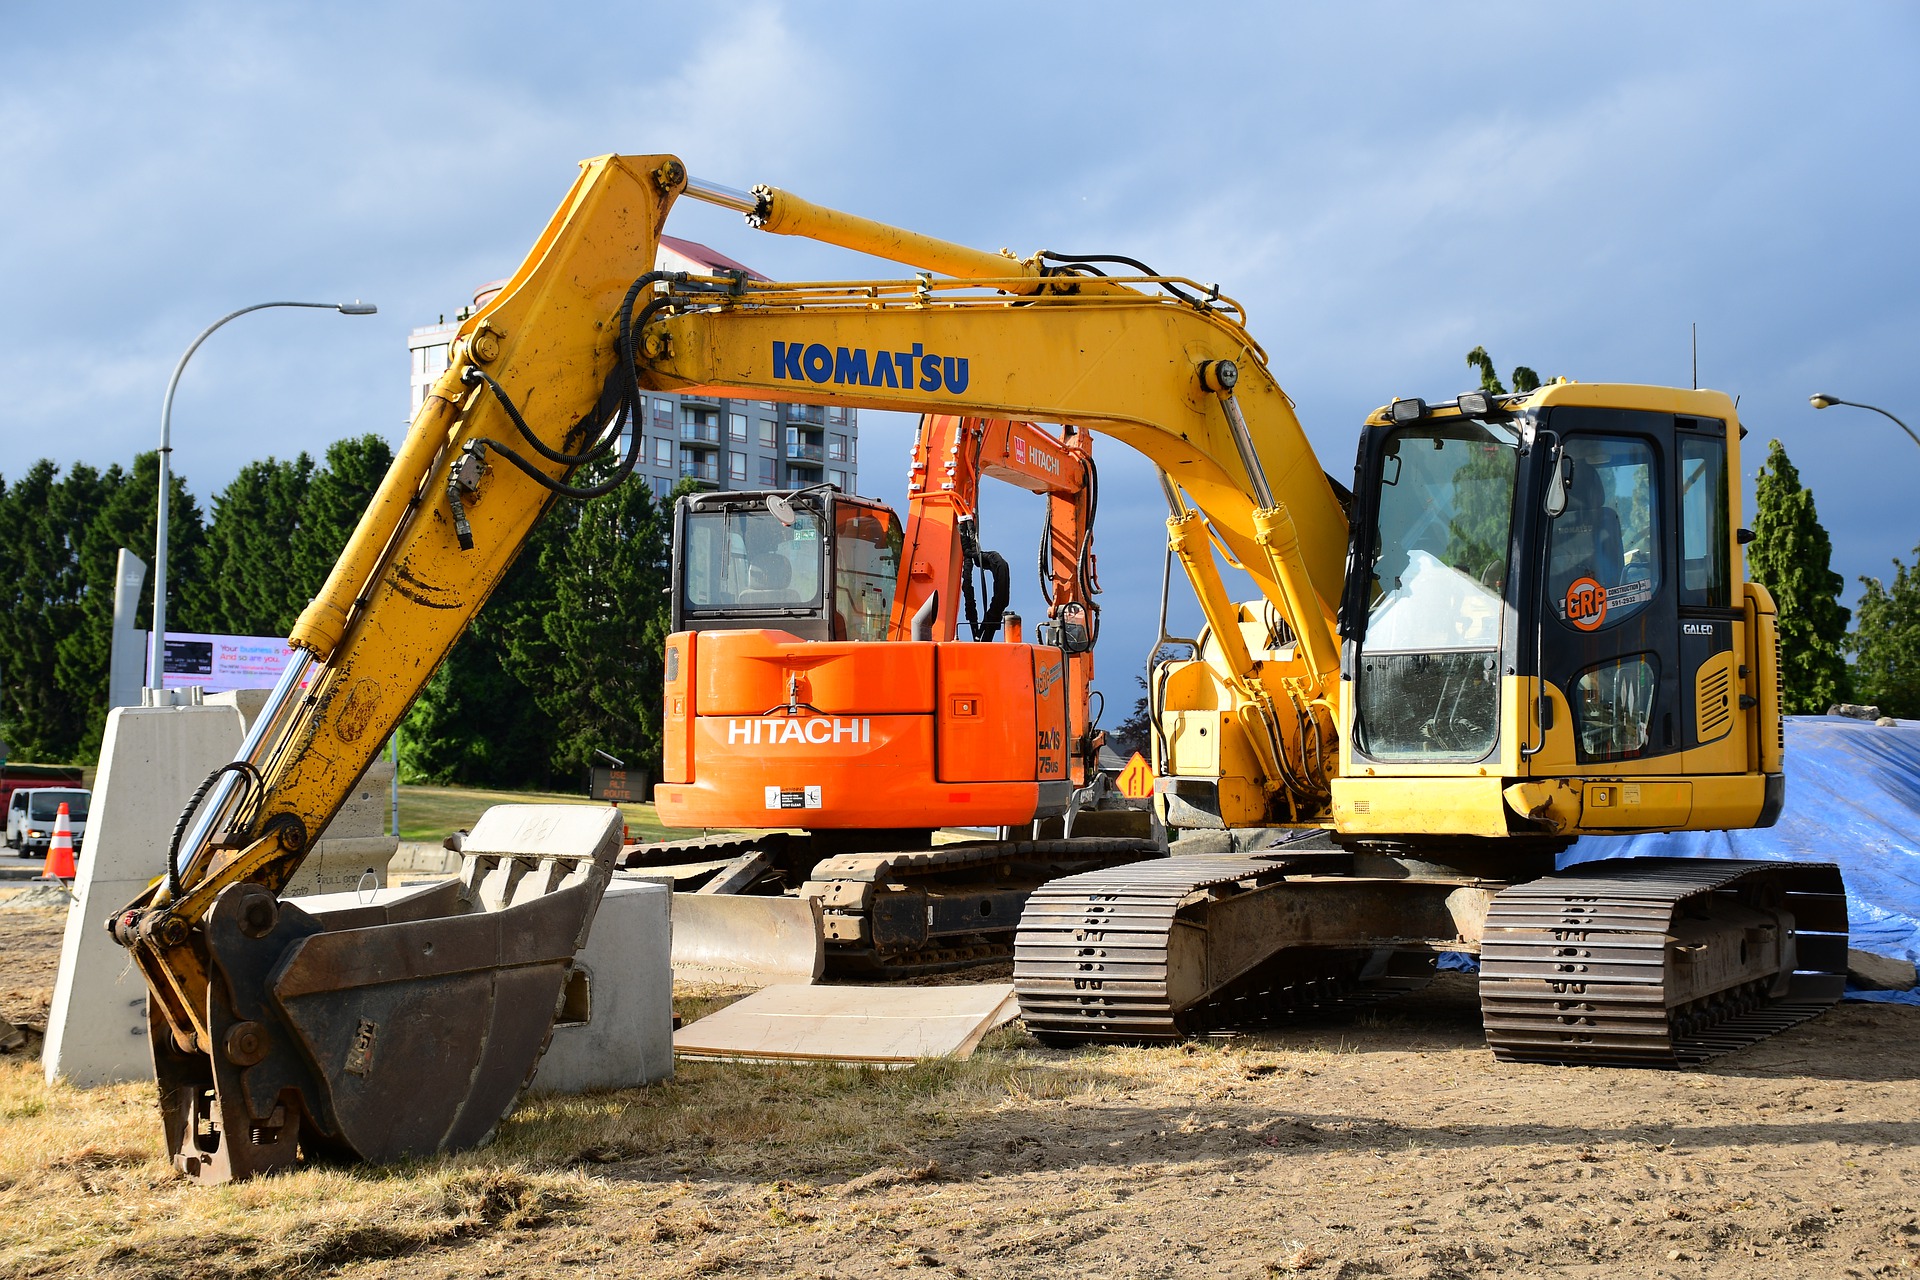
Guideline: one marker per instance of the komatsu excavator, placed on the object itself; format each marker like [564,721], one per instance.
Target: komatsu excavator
[1527,624]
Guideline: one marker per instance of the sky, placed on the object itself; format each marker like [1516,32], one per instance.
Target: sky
[1383,186]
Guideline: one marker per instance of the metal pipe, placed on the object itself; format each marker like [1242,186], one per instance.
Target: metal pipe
[1176,505]
[259,740]
[1243,445]
[726,197]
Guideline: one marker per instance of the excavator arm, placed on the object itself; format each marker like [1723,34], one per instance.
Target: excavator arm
[951,456]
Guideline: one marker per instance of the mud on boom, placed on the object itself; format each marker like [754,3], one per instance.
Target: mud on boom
[1526,622]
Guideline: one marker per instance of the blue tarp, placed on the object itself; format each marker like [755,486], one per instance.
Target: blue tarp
[1853,798]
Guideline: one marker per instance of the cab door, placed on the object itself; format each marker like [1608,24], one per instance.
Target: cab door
[1609,617]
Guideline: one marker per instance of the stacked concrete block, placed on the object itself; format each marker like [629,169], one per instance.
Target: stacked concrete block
[355,848]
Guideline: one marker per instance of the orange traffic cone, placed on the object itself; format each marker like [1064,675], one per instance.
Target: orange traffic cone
[60,852]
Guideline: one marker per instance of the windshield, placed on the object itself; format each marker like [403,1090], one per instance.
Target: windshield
[744,557]
[866,556]
[1429,687]
[44,806]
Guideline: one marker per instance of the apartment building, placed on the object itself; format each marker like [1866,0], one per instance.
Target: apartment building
[723,443]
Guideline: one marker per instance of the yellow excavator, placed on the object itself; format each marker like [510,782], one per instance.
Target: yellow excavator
[1526,622]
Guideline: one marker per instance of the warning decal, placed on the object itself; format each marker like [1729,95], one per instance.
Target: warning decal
[804,798]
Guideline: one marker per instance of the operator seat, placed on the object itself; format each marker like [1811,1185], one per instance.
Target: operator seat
[768,577]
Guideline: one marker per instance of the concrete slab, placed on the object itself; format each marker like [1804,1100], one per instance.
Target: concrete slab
[858,1026]
[1879,973]
[151,760]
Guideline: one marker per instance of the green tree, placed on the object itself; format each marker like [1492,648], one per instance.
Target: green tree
[42,519]
[1524,379]
[336,496]
[477,722]
[593,658]
[248,584]
[1791,556]
[124,509]
[60,539]
[1886,642]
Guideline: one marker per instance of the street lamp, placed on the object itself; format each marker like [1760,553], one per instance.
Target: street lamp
[1822,402]
[157,654]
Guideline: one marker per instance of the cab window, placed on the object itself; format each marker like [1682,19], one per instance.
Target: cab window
[1705,562]
[866,566]
[1604,566]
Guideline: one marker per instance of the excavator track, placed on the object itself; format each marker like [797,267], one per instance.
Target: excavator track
[1595,965]
[903,914]
[1117,955]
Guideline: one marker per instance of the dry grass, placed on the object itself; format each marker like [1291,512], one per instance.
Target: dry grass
[85,1187]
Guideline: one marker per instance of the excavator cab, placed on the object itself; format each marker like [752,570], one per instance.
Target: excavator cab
[815,563]
[1544,631]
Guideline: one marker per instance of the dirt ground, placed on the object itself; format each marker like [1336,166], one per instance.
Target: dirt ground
[1390,1144]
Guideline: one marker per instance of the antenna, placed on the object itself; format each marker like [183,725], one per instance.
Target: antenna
[1696,355]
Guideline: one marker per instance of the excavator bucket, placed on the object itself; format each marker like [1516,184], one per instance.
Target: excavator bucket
[747,939]
[403,1026]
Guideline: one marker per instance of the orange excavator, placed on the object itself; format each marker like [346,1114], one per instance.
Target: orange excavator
[790,703]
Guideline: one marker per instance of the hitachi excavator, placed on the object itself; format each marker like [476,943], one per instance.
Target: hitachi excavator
[788,604]
[1528,623]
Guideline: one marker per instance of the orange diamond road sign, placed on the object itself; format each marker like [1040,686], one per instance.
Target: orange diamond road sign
[1136,780]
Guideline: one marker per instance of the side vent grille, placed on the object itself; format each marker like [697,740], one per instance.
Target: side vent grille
[1713,694]
[1779,721]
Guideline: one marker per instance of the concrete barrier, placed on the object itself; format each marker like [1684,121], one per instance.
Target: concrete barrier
[150,761]
[616,1023]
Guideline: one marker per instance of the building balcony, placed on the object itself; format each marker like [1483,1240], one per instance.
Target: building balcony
[701,433]
[804,452]
[809,413]
[700,470]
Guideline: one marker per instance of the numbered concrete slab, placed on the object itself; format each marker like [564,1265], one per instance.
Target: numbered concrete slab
[859,1026]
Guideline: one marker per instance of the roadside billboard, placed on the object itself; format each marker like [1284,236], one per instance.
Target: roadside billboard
[220,663]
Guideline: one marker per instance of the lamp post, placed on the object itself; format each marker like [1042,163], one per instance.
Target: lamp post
[1822,402]
[157,653]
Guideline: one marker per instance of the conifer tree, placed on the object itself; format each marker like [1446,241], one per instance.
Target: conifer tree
[334,501]
[248,583]
[42,517]
[593,658]
[481,719]
[1791,556]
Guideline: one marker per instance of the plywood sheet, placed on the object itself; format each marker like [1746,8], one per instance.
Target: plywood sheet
[866,1026]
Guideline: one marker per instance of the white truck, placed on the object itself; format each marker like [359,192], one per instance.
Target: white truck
[30,816]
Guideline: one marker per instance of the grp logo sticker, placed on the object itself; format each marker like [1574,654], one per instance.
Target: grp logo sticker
[1586,604]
